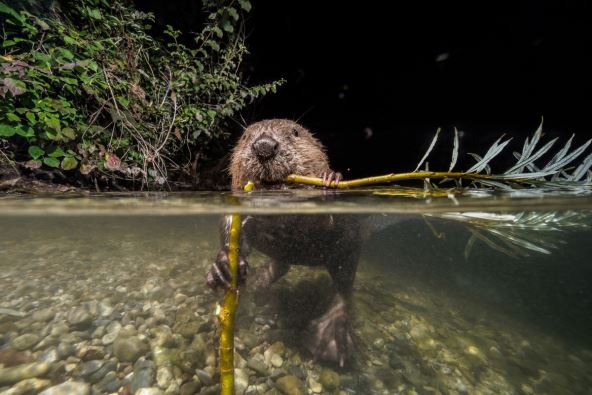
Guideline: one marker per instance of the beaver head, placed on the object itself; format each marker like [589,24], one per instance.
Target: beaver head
[270,150]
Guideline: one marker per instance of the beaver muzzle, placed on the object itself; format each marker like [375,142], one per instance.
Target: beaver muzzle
[265,147]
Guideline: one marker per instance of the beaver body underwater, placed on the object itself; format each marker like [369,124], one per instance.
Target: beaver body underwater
[265,154]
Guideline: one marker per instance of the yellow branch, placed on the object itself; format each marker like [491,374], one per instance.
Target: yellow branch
[227,312]
[384,179]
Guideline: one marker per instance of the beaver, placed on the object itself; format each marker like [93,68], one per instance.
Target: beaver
[265,154]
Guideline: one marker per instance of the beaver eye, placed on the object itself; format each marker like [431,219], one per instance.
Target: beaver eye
[295,132]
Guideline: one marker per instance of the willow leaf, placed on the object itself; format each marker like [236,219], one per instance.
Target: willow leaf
[493,151]
[429,150]
[529,147]
[569,158]
[582,169]
[561,153]
[454,150]
[520,242]
[525,160]
[469,246]
[492,243]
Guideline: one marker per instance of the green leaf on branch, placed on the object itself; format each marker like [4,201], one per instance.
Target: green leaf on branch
[227,26]
[69,133]
[13,86]
[51,162]
[25,131]
[7,10]
[35,152]
[13,117]
[245,5]
[56,152]
[69,163]
[7,130]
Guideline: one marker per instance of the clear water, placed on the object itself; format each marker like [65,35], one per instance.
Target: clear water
[107,292]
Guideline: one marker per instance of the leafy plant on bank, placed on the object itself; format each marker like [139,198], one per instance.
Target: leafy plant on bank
[90,91]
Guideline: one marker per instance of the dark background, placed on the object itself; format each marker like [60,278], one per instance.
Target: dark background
[374,79]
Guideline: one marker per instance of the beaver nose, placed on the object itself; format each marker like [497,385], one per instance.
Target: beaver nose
[265,147]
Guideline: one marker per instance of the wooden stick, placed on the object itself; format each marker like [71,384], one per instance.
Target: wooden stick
[384,179]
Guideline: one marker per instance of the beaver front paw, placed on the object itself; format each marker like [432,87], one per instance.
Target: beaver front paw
[219,274]
[331,177]
[329,337]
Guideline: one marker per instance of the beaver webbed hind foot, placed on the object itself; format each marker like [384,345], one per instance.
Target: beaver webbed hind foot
[329,337]
[219,274]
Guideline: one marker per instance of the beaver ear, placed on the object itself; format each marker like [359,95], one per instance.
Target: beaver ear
[295,132]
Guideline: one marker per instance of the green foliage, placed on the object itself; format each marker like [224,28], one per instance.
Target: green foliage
[88,89]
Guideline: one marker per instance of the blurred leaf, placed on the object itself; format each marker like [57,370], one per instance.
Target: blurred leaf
[51,162]
[227,26]
[69,163]
[35,152]
[245,5]
[12,117]
[56,152]
[7,130]
[7,10]
[25,131]
[15,87]
[69,133]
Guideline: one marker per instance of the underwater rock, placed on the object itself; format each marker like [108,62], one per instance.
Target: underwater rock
[64,350]
[59,329]
[128,331]
[28,386]
[43,315]
[94,371]
[109,338]
[204,377]
[26,341]
[180,298]
[188,329]
[258,389]
[22,372]
[89,353]
[290,385]
[129,349]
[110,383]
[297,371]
[149,391]
[258,365]
[79,318]
[99,331]
[113,326]
[144,371]
[68,388]
[314,385]
[213,390]
[329,379]
[190,388]
[49,356]
[7,327]
[241,381]
[249,339]
[276,360]
[10,358]
[164,377]
[163,356]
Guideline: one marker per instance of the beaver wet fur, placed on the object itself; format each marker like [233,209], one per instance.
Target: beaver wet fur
[265,154]
[270,150]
